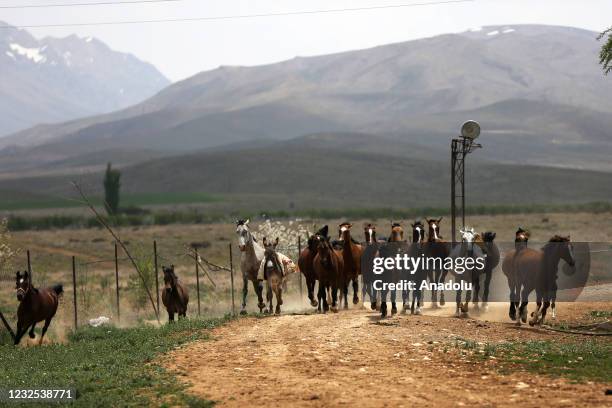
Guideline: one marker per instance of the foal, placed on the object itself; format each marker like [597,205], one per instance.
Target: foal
[174,296]
[35,306]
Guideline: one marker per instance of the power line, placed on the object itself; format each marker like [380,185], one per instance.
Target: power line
[243,16]
[100,3]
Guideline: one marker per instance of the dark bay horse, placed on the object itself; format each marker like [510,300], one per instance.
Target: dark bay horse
[521,238]
[251,255]
[351,254]
[436,249]
[328,266]
[175,296]
[490,249]
[305,262]
[35,305]
[370,251]
[537,269]
[415,250]
[394,246]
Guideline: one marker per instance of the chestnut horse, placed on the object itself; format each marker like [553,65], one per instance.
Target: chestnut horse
[436,248]
[485,242]
[251,254]
[35,305]
[521,237]
[537,269]
[351,254]
[305,263]
[175,296]
[328,266]
[391,249]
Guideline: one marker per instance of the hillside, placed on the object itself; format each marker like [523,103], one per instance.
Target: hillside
[57,79]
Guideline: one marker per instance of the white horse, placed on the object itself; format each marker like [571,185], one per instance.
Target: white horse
[472,258]
[251,256]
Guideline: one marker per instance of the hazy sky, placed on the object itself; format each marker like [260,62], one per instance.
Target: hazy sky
[181,49]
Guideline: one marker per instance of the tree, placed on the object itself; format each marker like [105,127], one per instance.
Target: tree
[112,184]
[605,56]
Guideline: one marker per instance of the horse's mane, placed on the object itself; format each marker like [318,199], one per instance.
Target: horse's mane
[558,238]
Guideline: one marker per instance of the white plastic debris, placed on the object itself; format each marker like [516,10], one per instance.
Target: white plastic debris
[98,321]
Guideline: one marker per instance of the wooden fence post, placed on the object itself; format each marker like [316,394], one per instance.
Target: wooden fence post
[232,278]
[156,272]
[117,281]
[300,273]
[197,265]
[74,293]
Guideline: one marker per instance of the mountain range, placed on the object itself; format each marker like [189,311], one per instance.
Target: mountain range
[52,80]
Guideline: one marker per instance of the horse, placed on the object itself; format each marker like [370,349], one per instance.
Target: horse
[486,244]
[521,238]
[416,250]
[274,274]
[328,266]
[35,305]
[391,249]
[436,248]
[251,255]
[351,254]
[470,271]
[175,296]
[370,251]
[537,269]
[305,263]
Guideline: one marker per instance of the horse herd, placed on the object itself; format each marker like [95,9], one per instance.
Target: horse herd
[337,264]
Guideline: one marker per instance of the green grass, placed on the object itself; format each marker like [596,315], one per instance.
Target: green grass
[107,366]
[579,361]
[601,314]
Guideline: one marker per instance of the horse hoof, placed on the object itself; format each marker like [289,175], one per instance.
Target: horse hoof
[524,316]
[485,307]
[418,311]
[314,303]
[457,313]
[32,335]
[373,306]
[393,311]
[355,300]
[464,315]
[334,309]
[277,311]
[434,305]
[383,310]
[442,301]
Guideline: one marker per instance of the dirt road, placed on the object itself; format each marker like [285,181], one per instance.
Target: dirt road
[354,359]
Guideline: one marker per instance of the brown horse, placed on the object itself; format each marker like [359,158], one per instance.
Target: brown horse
[329,268]
[485,242]
[174,295]
[394,246]
[436,248]
[370,251]
[537,269]
[351,254]
[35,306]
[305,263]
[521,237]
[274,274]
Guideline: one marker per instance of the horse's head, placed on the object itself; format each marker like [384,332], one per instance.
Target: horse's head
[169,278]
[369,231]
[418,231]
[244,235]
[271,260]
[397,232]
[22,285]
[344,229]
[468,236]
[565,248]
[488,236]
[521,237]
[434,228]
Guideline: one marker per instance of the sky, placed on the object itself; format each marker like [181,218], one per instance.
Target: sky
[182,49]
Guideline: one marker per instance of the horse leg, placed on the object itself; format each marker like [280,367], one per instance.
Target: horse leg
[524,301]
[345,294]
[279,300]
[269,296]
[434,294]
[258,286]
[383,303]
[513,298]
[393,302]
[544,309]
[310,283]
[356,290]
[334,296]
[487,285]
[245,291]
[553,297]
[21,330]
[418,294]
[458,301]
[44,330]
[322,308]
[170,317]
[31,334]
[476,291]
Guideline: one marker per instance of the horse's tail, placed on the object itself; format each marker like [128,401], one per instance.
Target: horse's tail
[58,289]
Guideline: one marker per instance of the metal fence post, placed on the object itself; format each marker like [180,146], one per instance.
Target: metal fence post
[197,266]
[232,279]
[117,282]
[156,272]
[74,292]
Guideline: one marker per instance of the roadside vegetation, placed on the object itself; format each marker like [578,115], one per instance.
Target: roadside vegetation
[107,366]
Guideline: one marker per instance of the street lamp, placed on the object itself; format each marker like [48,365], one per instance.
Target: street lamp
[460,147]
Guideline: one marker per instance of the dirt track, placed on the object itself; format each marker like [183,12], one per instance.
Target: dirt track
[354,359]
